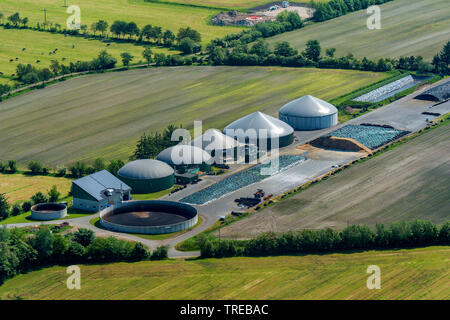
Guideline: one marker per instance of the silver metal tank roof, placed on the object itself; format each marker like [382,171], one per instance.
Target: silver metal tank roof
[308,107]
[213,139]
[145,169]
[259,120]
[183,154]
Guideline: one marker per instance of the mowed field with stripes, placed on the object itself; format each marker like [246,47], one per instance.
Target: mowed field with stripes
[408,27]
[405,274]
[103,115]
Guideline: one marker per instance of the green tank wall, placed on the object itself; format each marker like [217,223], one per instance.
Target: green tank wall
[149,185]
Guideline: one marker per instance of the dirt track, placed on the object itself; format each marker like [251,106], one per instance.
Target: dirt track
[409,182]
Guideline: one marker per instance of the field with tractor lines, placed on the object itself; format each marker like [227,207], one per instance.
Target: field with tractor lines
[103,115]
[405,274]
[408,182]
[408,27]
[20,187]
[226,4]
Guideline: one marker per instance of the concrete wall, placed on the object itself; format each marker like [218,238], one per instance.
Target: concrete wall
[146,229]
[306,124]
[45,216]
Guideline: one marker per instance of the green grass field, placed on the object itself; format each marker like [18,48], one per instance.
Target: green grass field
[408,27]
[411,181]
[226,4]
[167,16]
[39,44]
[20,187]
[405,274]
[103,115]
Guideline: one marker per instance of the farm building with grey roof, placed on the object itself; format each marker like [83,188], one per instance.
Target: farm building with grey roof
[99,190]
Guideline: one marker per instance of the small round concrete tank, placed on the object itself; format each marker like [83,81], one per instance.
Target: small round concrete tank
[48,211]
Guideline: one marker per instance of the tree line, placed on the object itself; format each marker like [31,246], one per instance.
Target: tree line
[336,8]
[22,250]
[118,30]
[283,54]
[150,145]
[402,234]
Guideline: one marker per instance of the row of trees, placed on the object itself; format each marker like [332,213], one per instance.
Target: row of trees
[285,21]
[29,74]
[441,60]
[356,237]
[80,168]
[283,54]
[149,146]
[10,167]
[187,39]
[7,210]
[21,252]
[336,8]
[15,19]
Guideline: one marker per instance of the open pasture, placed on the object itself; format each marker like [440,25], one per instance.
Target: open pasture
[20,187]
[38,45]
[167,16]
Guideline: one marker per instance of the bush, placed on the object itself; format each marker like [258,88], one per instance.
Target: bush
[39,197]
[12,166]
[4,206]
[75,252]
[62,172]
[53,194]
[160,253]
[84,237]
[26,206]
[16,210]
[109,249]
[140,252]
[35,167]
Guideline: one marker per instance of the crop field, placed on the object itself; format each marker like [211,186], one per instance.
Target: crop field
[408,182]
[408,27]
[103,115]
[39,44]
[406,274]
[229,4]
[20,187]
[167,16]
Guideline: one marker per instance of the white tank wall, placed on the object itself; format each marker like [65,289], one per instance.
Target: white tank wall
[314,123]
[145,229]
[55,215]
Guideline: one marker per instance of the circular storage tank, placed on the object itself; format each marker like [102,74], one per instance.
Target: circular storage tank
[309,113]
[48,211]
[149,217]
[258,121]
[186,155]
[147,175]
